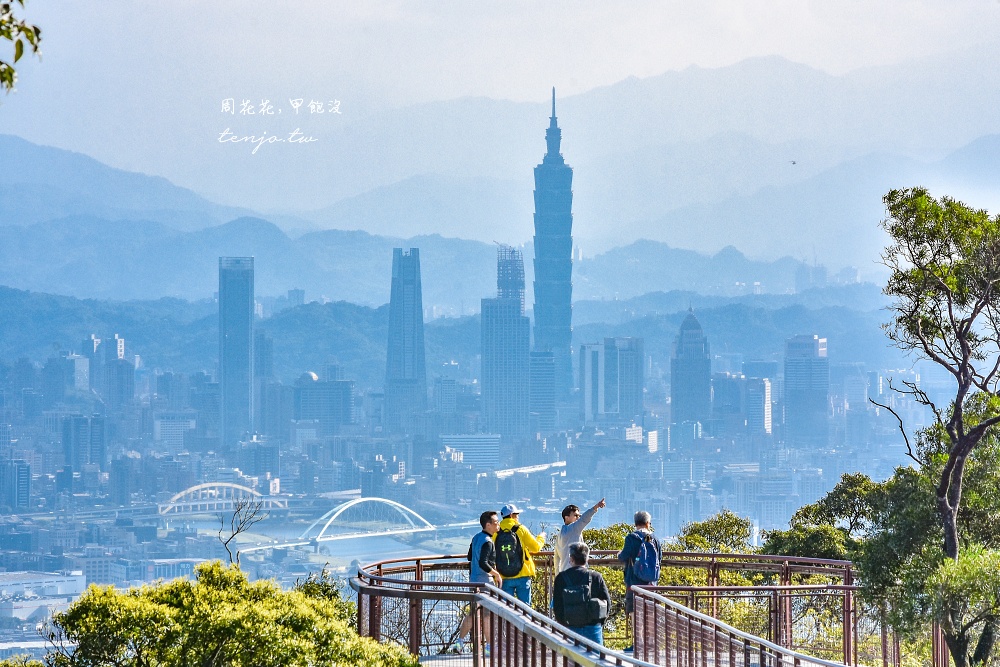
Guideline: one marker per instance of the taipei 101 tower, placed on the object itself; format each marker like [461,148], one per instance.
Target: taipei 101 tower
[554,259]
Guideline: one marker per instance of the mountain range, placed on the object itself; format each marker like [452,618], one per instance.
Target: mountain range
[77,227]
[770,156]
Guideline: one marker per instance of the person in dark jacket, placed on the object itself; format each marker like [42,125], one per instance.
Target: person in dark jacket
[571,580]
[482,553]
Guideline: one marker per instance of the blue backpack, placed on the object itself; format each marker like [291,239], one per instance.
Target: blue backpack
[646,567]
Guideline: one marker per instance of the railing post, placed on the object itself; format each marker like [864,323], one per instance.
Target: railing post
[375,612]
[656,633]
[477,633]
[713,580]
[415,631]
[361,610]
[849,618]
[774,605]
[690,638]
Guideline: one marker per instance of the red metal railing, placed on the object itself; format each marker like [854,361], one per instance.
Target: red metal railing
[422,604]
[673,635]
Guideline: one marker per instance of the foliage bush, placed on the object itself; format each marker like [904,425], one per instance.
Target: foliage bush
[219,618]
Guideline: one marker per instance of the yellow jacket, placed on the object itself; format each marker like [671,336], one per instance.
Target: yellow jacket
[529,544]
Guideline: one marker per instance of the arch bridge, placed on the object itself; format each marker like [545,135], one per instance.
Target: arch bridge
[216,497]
[358,518]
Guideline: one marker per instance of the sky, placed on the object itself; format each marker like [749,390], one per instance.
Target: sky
[405,52]
[131,83]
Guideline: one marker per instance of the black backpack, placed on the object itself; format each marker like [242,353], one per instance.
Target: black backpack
[579,608]
[510,553]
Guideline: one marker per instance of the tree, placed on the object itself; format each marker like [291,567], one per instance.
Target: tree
[833,526]
[246,513]
[324,585]
[944,259]
[725,532]
[218,619]
[20,33]
[896,544]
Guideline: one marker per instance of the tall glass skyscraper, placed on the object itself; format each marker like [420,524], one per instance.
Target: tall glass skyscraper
[405,370]
[807,391]
[506,338]
[690,374]
[554,258]
[236,338]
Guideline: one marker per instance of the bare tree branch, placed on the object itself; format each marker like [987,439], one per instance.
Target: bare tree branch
[247,511]
[902,429]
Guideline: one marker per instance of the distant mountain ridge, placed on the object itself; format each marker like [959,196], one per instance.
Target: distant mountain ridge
[88,257]
[177,335]
[127,228]
[46,183]
[771,156]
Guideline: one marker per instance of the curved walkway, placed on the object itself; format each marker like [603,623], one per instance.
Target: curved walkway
[428,605]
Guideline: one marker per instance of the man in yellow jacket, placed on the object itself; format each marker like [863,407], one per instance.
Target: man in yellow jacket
[514,546]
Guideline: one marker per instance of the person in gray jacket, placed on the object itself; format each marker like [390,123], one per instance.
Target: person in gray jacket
[571,532]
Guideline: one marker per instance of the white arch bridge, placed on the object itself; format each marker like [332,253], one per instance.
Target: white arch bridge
[361,517]
[216,497]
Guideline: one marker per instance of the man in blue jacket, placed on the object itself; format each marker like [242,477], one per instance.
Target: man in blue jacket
[630,553]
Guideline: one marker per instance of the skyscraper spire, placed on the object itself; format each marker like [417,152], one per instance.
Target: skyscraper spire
[553,135]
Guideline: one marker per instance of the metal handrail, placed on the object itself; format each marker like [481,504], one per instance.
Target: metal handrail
[557,637]
[387,579]
[641,591]
[499,599]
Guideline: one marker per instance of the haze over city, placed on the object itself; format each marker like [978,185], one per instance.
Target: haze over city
[380,267]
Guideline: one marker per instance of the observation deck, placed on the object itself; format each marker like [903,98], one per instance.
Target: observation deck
[804,612]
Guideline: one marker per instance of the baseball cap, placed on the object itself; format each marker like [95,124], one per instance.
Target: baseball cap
[510,509]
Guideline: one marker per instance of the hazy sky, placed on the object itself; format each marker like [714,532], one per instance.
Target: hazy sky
[416,51]
[132,83]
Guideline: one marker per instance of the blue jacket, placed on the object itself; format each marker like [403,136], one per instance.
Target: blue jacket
[631,551]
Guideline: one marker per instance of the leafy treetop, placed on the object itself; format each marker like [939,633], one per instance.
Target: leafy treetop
[21,34]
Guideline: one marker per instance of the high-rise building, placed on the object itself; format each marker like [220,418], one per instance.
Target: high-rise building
[611,381]
[405,370]
[624,382]
[15,484]
[506,340]
[690,374]
[807,391]
[591,382]
[542,391]
[729,404]
[759,406]
[480,450]
[236,357]
[117,384]
[84,442]
[554,258]
[329,402]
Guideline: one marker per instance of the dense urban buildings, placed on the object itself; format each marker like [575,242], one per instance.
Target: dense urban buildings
[236,337]
[405,368]
[761,428]
[553,308]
